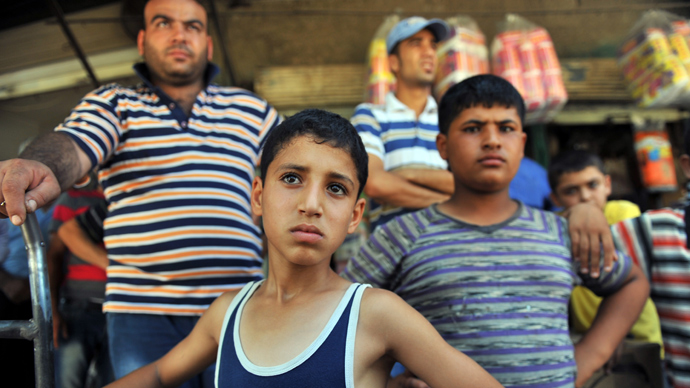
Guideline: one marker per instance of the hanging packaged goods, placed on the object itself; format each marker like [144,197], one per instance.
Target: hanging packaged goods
[654,155]
[655,60]
[462,55]
[523,54]
[380,80]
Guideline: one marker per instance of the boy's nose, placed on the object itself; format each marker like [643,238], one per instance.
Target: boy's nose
[311,202]
[491,138]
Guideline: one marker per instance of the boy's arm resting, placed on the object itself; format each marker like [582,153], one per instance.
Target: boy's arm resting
[438,180]
[410,339]
[616,315]
[81,245]
[589,233]
[49,165]
[188,358]
[389,188]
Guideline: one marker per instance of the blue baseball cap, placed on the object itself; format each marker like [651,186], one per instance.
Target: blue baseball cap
[412,25]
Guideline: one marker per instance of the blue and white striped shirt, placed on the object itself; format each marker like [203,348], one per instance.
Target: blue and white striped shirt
[394,134]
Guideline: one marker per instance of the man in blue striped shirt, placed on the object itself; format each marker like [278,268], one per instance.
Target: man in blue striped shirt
[406,170]
[491,274]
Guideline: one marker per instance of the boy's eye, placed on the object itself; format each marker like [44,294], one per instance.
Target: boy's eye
[472,129]
[570,191]
[337,189]
[593,184]
[290,179]
[506,128]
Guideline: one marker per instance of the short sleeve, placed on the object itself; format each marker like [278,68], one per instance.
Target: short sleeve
[369,130]
[271,120]
[608,282]
[378,260]
[617,211]
[94,124]
[633,238]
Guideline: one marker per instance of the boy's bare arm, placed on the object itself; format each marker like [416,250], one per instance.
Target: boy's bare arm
[616,315]
[81,245]
[389,188]
[188,358]
[411,340]
[438,180]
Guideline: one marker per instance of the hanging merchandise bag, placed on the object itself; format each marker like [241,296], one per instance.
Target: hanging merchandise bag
[380,80]
[523,54]
[654,155]
[462,55]
[655,75]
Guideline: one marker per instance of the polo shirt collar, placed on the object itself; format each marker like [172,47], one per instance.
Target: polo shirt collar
[395,105]
[143,72]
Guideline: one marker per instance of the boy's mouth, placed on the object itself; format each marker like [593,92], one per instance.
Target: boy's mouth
[307,233]
[492,160]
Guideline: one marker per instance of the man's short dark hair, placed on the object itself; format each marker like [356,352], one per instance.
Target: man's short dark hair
[572,161]
[481,90]
[323,127]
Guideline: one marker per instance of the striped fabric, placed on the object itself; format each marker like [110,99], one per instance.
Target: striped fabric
[179,230]
[82,280]
[393,133]
[497,293]
[656,241]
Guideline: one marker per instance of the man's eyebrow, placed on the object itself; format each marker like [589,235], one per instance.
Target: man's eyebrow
[168,18]
[159,16]
[508,121]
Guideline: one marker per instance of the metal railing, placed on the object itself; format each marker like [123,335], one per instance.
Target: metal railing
[39,329]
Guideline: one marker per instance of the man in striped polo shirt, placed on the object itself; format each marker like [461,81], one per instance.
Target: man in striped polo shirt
[406,170]
[658,242]
[176,159]
[491,274]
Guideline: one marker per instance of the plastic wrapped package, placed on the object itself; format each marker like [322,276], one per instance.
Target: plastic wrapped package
[654,155]
[652,64]
[380,79]
[462,55]
[523,54]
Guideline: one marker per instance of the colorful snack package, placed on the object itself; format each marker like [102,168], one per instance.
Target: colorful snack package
[462,55]
[654,156]
[380,79]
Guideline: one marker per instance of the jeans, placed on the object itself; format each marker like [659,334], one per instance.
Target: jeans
[140,339]
[87,341]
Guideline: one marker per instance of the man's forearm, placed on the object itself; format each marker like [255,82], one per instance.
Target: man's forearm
[436,180]
[60,154]
[395,190]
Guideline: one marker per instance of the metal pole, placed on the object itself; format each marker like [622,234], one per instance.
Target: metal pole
[223,44]
[57,11]
[40,302]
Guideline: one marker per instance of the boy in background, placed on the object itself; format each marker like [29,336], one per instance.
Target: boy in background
[576,177]
[304,326]
[492,275]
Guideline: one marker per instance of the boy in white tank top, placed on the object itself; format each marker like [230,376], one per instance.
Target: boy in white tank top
[313,168]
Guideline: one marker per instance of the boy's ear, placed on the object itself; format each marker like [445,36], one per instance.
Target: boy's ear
[607,184]
[555,200]
[441,142]
[685,165]
[357,214]
[257,190]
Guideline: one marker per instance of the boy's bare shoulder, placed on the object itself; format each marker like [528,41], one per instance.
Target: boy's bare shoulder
[381,306]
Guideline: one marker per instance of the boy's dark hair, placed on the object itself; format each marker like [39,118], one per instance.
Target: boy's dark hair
[572,161]
[324,127]
[481,90]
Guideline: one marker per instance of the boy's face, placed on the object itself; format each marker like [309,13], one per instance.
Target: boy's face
[587,185]
[416,60]
[308,201]
[484,147]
